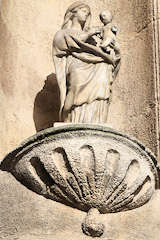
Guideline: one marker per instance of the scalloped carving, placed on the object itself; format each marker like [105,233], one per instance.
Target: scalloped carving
[86,167]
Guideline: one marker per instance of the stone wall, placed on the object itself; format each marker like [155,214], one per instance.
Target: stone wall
[28,85]
[29,100]
[156,52]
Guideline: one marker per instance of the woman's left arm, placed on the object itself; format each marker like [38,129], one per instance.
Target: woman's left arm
[86,47]
[84,36]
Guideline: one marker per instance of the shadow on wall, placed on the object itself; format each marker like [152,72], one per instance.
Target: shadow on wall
[46,104]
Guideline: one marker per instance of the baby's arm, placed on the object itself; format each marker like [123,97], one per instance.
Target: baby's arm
[106,42]
[108,38]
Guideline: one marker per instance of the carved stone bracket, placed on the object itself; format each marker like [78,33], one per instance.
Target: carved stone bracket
[88,167]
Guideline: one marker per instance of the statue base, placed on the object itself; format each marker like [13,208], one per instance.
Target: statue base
[91,168]
[61,124]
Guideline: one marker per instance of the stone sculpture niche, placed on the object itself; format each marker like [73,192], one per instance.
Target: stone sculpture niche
[92,168]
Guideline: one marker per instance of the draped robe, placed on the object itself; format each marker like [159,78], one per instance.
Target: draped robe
[84,75]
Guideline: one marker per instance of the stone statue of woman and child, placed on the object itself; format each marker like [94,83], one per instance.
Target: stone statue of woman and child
[91,168]
[87,60]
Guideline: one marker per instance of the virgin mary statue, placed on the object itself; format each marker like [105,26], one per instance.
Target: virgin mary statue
[84,72]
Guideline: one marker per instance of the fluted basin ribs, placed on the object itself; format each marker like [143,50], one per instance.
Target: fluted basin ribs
[86,166]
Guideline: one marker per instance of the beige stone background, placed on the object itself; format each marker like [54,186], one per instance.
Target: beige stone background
[27,29]
[29,94]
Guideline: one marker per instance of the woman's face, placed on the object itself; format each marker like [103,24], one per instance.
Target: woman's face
[82,14]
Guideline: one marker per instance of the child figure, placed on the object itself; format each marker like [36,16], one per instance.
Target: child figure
[108,33]
[109,43]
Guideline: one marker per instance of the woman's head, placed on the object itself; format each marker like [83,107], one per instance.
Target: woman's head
[78,10]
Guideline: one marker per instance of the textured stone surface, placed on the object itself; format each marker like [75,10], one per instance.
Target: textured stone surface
[27,29]
[91,225]
[29,26]
[37,219]
[87,167]
[156,51]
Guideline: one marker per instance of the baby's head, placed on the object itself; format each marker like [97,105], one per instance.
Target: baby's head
[105,17]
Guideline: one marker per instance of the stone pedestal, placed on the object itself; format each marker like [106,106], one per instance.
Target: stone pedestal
[101,179]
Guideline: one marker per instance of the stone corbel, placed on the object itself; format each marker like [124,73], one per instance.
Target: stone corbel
[92,168]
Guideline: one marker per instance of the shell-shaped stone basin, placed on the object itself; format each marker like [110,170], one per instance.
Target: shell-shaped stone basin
[86,166]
